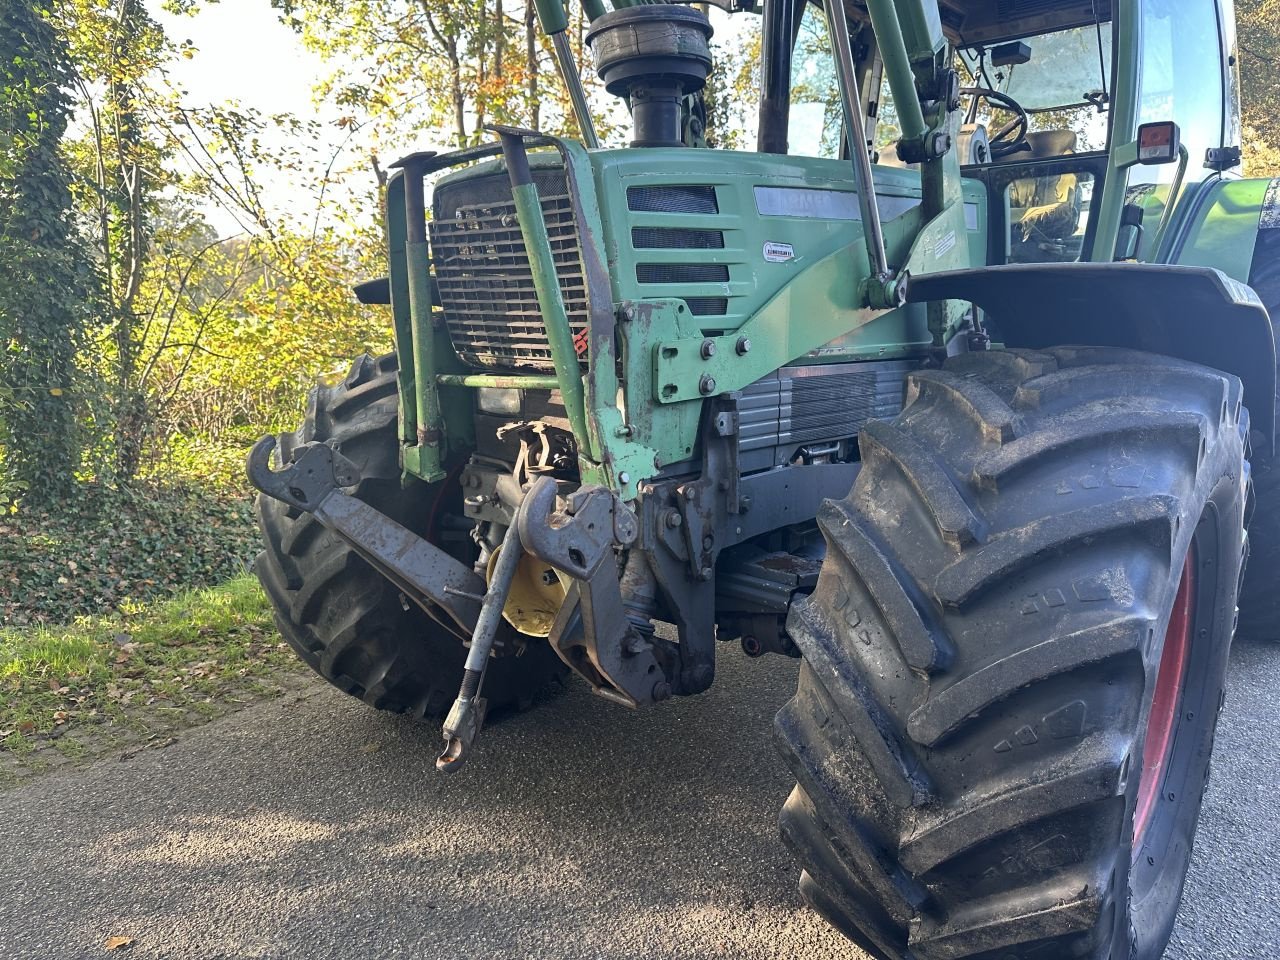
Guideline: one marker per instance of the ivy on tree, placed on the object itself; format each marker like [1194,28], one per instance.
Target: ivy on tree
[47,284]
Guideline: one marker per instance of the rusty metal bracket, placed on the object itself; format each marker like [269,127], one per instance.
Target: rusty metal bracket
[422,571]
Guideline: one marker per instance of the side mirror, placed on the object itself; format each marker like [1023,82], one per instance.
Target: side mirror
[1158,142]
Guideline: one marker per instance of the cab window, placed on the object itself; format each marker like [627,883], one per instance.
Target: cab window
[814,126]
[1181,80]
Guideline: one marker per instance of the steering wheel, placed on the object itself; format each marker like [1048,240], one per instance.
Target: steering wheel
[1012,137]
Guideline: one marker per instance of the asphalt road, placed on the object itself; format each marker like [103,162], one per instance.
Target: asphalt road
[314,828]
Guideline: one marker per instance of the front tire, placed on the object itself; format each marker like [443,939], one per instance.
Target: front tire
[343,618]
[983,653]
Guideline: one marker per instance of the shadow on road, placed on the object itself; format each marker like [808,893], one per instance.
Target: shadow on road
[316,828]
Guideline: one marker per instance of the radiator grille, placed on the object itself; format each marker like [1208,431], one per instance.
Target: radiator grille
[483,273]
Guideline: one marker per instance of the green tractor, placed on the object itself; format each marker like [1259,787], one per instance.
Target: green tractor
[960,405]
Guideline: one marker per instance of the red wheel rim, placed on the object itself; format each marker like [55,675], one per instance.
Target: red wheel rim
[1166,702]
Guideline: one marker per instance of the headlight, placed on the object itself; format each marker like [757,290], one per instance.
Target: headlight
[500,401]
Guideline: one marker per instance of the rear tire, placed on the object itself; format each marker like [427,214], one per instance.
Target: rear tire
[982,649]
[342,617]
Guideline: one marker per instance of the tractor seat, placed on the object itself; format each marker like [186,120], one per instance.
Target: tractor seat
[1047,143]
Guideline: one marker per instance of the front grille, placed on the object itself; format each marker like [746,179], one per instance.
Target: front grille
[483,274]
[694,198]
[707,306]
[676,238]
[681,199]
[682,273]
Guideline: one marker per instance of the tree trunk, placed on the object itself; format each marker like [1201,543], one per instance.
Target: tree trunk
[531,62]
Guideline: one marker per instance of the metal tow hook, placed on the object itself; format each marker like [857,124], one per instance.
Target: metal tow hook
[466,716]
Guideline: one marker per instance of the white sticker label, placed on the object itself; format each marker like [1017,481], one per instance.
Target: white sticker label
[778,252]
[944,244]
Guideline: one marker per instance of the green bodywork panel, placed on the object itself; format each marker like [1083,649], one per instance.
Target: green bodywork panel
[791,267]
[1220,227]
[816,216]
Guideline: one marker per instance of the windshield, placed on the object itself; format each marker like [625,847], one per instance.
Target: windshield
[1069,68]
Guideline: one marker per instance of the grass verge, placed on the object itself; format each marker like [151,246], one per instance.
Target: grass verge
[84,689]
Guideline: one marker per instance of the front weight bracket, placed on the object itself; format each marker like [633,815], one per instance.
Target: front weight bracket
[420,570]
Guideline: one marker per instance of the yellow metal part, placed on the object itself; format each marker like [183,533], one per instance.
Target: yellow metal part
[535,598]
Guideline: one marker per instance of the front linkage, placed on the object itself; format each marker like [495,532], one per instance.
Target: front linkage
[628,550]
[603,629]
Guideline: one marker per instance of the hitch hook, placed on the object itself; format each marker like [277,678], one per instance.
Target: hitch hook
[316,471]
[466,716]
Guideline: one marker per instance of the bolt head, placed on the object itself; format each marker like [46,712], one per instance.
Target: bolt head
[705,573]
[673,519]
[706,384]
[743,345]
[661,691]
[708,349]
[624,477]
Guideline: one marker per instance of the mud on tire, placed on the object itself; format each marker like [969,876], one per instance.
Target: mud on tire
[982,647]
[344,619]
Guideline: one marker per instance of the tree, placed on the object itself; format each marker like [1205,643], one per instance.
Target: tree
[1258,43]
[47,284]
[451,65]
[147,162]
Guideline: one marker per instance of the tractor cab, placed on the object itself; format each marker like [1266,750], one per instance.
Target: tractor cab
[1051,100]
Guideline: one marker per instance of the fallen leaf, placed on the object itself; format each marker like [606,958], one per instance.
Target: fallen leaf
[118,943]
